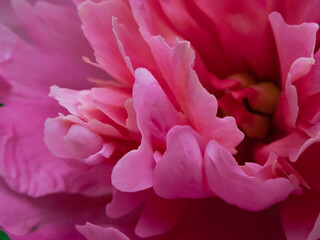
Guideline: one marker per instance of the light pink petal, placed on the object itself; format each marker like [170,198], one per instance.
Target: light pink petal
[199,105]
[155,114]
[134,171]
[299,216]
[97,26]
[123,203]
[155,117]
[94,232]
[228,181]
[180,172]
[130,43]
[111,102]
[67,98]
[152,20]
[295,62]
[291,146]
[81,142]
[54,131]
[158,216]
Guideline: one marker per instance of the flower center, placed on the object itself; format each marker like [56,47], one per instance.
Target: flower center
[252,103]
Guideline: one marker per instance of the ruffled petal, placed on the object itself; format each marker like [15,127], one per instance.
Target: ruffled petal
[232,184]
[180,172]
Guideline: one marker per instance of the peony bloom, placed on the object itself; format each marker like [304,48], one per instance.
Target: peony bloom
[199,118]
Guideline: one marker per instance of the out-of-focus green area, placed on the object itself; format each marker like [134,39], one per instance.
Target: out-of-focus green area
[3,236]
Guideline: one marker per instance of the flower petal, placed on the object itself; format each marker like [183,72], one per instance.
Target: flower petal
[94,232]
[228,181]
[179,173]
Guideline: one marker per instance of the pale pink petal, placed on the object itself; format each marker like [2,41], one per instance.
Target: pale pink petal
[180,172]
[228,181]
[97,26]
[295,62]
[155,117]
[130,43]
[94,232]
[111,102]
[199,105]
[155,113]
[134,171]
[81,142]
[54,131]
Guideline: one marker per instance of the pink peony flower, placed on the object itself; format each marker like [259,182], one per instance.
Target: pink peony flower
[200,117]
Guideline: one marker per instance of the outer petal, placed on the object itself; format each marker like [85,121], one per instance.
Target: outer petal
[93,232]
[158,216]
[180,172]
[299,216]
[123,203]
[229,182]
[47,218]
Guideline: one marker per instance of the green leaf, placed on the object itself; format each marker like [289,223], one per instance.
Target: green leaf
[3,236]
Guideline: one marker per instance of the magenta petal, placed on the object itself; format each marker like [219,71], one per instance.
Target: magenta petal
[228,181]
[300,216]
[158,216]
[122,203]
[180,172]
[94,232]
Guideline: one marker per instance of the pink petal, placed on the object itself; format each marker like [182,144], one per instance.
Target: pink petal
[134,171]
[123,203]
[155,114]
[155,117]
[199,105]
[295,62]
[228,181]
[179,172]
[49,218]
[299,216]
[93,232]
[81,142]
[97,26]
[111,102]
[241,32]
[158,216]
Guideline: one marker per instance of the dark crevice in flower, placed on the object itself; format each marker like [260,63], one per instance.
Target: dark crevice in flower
[1,104]
[246,103]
